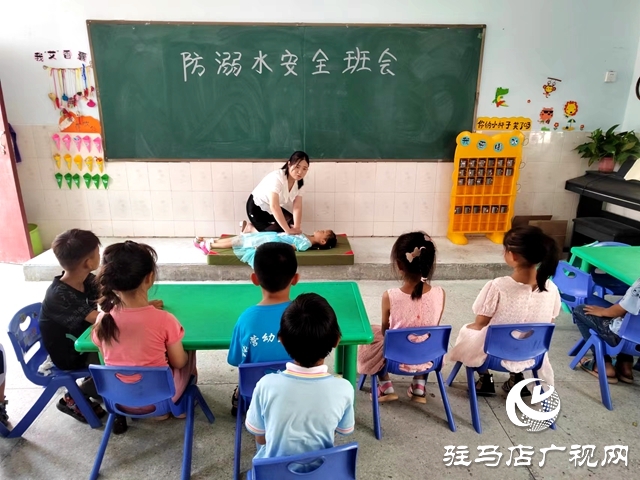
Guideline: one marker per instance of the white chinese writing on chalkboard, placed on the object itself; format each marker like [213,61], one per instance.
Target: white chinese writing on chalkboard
[229,63]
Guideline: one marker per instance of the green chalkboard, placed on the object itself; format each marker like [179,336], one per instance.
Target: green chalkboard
[211,91]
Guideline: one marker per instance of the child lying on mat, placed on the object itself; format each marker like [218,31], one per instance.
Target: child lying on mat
[244,245]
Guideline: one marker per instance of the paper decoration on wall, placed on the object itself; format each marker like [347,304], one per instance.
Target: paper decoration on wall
[100,163]
[546,114]
[503,123]
[67,142]
[105,181]
[68,178]
[581,127]
[76,180]
[59,178]
[70,122]
[78,142]
[96,180]
[67,158]
[555,126]
[78,161]
[87,142]
[98,142]
[87,179]
[56,139]
[89,163]
[550,87]
[570,111]
[57,159]
[499,97]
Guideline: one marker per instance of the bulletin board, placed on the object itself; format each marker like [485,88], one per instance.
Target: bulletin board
[484,187]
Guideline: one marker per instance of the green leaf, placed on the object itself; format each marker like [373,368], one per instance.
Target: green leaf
[627,146]
[611,130]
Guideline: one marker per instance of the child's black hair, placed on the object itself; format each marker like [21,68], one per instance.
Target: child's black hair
[275,265]
[295,158]
[330,243]
[536,248]
[309,329]
[74,246]
[124,268]
[413,256]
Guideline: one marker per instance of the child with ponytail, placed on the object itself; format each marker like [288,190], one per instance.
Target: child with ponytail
[526,296]
[415,304]
[131,330]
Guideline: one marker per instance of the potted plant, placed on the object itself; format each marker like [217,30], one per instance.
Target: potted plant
[609,148]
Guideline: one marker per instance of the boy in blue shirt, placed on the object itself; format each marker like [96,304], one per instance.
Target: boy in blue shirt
[255,336]
[300,409]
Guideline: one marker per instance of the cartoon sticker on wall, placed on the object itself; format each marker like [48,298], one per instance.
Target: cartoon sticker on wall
[499,97]
[550,87]
[546,114]
[570,111]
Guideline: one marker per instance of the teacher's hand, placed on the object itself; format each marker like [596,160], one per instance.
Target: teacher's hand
[294,231]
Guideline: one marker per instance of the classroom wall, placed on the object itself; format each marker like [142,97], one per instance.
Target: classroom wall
[525,43]
[632,112]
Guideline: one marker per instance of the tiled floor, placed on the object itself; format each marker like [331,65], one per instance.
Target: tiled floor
[57,447]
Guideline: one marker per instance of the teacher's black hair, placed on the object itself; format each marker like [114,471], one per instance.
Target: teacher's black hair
[295,158]
[309,329]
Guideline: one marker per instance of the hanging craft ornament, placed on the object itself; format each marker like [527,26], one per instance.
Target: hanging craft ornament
[78,142]
[78,161]
[67,142]
[63,82]
[76,180]
[59,178]
[89,163]
[87,179]
[98,142]
[69,179]
[87,142]
[67,158]
[96,180]
[100,163]
[105,181]
[56,139]
[57,159]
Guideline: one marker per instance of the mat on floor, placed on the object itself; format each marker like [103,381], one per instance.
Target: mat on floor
[340,255]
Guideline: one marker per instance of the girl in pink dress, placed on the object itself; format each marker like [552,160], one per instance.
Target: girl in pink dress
[415,304]
[526,296]
[130,330]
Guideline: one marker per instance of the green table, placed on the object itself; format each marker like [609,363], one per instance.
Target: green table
[208,313]
[622,263]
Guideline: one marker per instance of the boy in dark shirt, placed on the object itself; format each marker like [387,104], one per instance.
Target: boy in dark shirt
[69,308]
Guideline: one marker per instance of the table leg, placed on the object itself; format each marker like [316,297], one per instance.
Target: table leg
[339,360]
[351,364]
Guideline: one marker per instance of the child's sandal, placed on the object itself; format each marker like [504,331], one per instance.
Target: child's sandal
[201,244]
[386,397]
[417,393]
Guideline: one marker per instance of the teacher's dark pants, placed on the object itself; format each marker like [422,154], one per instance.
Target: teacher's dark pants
[264,221]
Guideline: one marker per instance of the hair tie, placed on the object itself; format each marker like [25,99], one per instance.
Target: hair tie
[416,253]
[424,279]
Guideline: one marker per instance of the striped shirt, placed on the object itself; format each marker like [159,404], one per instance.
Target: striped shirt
[299,410]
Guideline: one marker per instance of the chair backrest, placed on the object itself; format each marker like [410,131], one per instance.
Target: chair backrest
[134,387]
[501,341]
[24,334]
[572,281]
[337,463]
[401,347]
[630,329]
[251,373]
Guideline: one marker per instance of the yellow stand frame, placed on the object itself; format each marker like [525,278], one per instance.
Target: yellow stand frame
[484,188]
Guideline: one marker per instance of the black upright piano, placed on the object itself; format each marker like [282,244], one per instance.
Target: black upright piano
[592,222]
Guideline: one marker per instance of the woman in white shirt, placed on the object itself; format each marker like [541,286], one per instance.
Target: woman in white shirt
[276,203]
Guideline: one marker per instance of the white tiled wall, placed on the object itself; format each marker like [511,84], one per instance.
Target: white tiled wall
[208,198]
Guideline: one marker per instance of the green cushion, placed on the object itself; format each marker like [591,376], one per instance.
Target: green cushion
[340,255]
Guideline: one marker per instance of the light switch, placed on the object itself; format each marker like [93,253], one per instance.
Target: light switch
[610,77]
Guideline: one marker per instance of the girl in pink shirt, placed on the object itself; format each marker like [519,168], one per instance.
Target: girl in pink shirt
[415,304]
[130,330]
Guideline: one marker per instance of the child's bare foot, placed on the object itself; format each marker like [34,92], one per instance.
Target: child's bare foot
[589,366]
[624,371]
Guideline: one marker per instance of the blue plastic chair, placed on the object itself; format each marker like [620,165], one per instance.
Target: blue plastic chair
[576,287]
[500,345]
[249,374]
[337,463]
[630,344]
[605,284]
[24,334]
[399,349]
[153,386]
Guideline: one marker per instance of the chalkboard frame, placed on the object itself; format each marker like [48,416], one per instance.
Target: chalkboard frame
[89,22]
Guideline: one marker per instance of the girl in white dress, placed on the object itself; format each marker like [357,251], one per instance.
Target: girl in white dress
[526,296]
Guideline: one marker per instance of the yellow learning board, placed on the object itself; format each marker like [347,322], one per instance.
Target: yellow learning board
[484,185]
